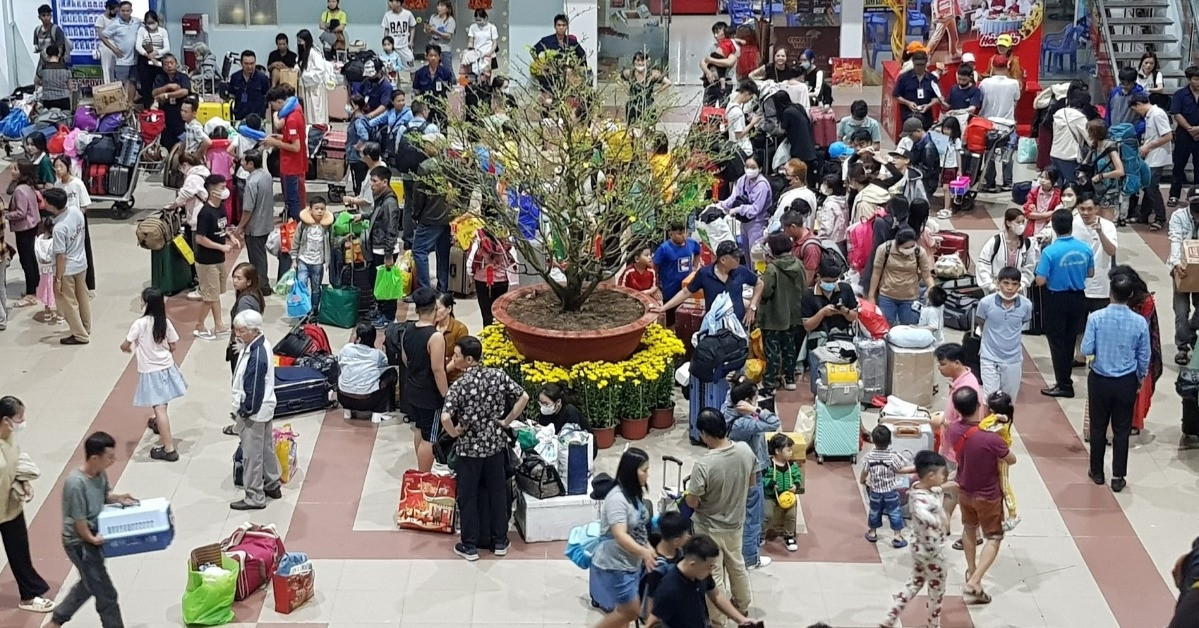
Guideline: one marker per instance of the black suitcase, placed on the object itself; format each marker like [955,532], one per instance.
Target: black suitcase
[360,276]
[299,389]
[1036,325]
[118,180]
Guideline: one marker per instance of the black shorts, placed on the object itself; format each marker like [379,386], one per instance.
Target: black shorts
[423,419]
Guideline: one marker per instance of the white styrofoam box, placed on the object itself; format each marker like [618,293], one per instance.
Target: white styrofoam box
[146,527]
[551,519]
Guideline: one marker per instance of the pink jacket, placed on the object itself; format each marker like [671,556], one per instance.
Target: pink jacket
[23,209]
[192,195]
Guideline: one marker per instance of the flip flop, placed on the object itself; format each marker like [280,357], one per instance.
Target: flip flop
[872,537]
[978,597]
[229,431]
[899,543]
[957,545]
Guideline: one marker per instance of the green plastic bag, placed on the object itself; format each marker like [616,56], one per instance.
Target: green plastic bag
[208,599]
[283,286]
[389,284]
[339,307]
[344,225]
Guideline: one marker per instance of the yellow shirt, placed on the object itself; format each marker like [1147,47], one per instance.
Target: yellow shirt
[992,424]
[328,16]
[663,170]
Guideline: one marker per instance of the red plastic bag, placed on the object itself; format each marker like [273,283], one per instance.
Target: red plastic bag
[427,502]
[55,145]
[872,320]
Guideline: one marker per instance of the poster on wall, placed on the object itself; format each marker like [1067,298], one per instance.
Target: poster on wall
[78,21]
[816,13]
[825,41]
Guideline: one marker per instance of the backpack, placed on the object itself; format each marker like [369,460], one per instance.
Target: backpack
[355,69]
[1137,174]
[257,550]
[770,124]
[860,237]
[12,124]
[320,340]
[830,254]
[536,477]
[157,230]
[407,156]
[715,350]
[582,543]
[393,342]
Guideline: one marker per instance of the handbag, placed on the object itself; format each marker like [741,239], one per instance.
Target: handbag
[389,284]
[537,478]
[339,307]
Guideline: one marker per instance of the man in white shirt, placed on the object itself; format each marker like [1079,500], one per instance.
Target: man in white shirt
[120,36]
[1000,93]
[1155,150]
[1100,234]
[400,24]
[107,60]
[740,123]
[70,267]
[1069,135]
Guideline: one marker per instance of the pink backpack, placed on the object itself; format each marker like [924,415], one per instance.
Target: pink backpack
[257,551]
[221,162]
[860,237]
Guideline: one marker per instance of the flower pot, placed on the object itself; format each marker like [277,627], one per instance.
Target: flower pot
[567,348]
[605,437]
[662,418]
[634,429]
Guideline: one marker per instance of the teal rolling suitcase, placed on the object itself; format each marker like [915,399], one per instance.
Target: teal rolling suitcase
[169,272]
[838,429]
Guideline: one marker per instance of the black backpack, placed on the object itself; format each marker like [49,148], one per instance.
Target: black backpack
[713,351]
[407,155]
[355,69]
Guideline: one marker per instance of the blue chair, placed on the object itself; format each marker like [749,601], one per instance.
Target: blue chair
[917,26]
[878,39]
[1059,45]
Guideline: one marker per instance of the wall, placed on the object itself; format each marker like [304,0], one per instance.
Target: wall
[534,20]
[851,28]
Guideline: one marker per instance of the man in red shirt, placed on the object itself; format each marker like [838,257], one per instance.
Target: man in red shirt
[805,245]
[292,144]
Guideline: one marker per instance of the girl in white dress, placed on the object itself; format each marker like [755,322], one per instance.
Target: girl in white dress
[152,338]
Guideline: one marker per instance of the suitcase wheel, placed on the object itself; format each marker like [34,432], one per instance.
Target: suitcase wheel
[819,459]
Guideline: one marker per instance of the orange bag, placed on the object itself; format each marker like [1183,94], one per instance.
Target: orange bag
[427,502]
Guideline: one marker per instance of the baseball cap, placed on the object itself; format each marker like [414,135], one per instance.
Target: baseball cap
[901,152]
[728,247]
[1004,40]
[911,125]
[968,57]
[837,150]
[914,47]
[999,61]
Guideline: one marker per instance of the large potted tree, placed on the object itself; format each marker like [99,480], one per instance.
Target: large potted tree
[573,191]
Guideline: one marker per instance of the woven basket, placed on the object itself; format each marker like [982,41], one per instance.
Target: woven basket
[206,555]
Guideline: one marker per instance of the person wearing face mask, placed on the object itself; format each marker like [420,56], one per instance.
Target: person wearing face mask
[1002,315]
[1009,248]
[108,60]
[783,285]
[1184,225]
[211,249]
[558,407]
[900,266]
[479,57]
[821,89]
[833,216]
[738,120]
[152,43]
[643,84]
[796,174]
[749,202]
[829,307]
[858,120]
[1100,234]
[14,467]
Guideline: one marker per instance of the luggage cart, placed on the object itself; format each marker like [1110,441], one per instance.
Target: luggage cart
[122,205]
[151,124]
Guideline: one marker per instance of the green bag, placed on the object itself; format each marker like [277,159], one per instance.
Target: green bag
[344,225]
[389,284]
[339,307]
[208,599]
[283,286]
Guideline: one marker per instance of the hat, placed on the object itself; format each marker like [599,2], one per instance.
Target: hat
[999,61]
[914,47]
[967,57]
[728,247]
[1193,195]
[838,150]
[911,125]
[601,484]
[901,152]
[1004,40]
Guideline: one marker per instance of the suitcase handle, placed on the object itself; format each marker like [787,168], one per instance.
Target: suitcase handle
[907,430]
[679,477]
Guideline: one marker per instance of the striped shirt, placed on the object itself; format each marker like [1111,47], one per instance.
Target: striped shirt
[1119,340]
[882,465]
[55,80]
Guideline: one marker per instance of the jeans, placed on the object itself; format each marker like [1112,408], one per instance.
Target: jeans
[755,512]
[782,350]
[1061,329]
[1186,150]
[898,312]
[1186,311]
[888,504]
[256,251]
[1111,400]
[1067,168]
[261,465]
[486,296]
[314,274]
[93,582]
[483,499]
[291,194]
[16,546]
[1152,203]
[432,239]
[1005,154]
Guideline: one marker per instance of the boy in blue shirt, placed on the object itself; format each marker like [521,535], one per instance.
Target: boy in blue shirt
[675,259]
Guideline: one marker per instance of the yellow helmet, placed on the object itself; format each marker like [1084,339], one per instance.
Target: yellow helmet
[786,500]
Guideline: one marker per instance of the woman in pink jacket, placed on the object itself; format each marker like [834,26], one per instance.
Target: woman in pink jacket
[23,218]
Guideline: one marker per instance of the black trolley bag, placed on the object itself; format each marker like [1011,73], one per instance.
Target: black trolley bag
[360,276]
[300,389]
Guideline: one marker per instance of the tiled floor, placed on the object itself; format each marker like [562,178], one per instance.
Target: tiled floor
[1081,557]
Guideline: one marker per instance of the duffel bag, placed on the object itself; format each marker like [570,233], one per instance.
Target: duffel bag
[257,550]
[537,478]
[102,150]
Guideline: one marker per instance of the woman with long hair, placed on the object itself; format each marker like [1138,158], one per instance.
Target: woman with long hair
[1100,160]
[1149,76]
[624,548]
[1009,247]
[13,530]
[451,329]
[78,198]
[23,218]
[644,83]
[1142,303]
[316,76]
[441,27]
[152,339]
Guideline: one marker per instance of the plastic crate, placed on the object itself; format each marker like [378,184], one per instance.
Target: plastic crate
[148,526]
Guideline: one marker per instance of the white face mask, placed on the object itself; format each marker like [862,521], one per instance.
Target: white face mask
[19,427]
[752,172]
[640,67]
[1068,202]
[1017,227]
[906,250]
[549,409]
[223,194]
[349,110]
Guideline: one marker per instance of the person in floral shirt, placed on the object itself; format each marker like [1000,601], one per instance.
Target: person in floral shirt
[479,405]
[930,528]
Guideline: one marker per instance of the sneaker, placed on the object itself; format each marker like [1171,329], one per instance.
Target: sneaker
[379,417]
[790,385]
[763,561]
[152,425]
[466,551]
[1182,357]
[792,546]
[194,295]
[71,340]
[347,415]
[1188,441]
[160,453]
[500,548]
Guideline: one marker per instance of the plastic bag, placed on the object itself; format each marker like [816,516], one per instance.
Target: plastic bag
[872,320]
[754,369]
[547,445]
[185,249]
[1026,151]
[576,456]
[272,242]
[285,450]
[389,284]
[208,599]
[407,266]
[283,287]
[344,225]
[299,300]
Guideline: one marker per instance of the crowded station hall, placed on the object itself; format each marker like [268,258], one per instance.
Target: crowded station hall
[676,313]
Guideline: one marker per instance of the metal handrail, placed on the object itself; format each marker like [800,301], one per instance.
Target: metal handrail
[1105,52]
[1189,47]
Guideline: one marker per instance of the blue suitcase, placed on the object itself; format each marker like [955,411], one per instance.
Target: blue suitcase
[838,430]
[705,395]
[300,389]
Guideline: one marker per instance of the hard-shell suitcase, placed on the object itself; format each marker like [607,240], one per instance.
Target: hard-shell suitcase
[837,430]
[335,144]
[687,320]
[97,179]
[360,277]
[129,146]
[705,395]
[911,374]
[169,272]
[951,242]
[824,127]
[461,281]
[872,363]
[210,110]
[118,180]
[910,436]
[300,389]
[339,97]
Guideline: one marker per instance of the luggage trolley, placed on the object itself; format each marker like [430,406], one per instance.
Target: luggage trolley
[151,124]
[986,140]
[122,204]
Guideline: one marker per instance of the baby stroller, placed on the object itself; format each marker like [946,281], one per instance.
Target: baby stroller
[987,141]
[151,124]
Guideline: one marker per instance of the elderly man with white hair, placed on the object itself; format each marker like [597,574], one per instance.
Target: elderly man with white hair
[253,409]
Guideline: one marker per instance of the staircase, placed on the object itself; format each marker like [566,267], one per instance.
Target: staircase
[1130,28]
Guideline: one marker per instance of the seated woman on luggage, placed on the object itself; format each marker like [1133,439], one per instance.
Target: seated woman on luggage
[366,383]
[558,408]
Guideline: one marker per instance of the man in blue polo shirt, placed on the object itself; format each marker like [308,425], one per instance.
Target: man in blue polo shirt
[1063,270]
[376,89]
[1184,108]
[965,97]
[726,274]
[682,596]
[917,91]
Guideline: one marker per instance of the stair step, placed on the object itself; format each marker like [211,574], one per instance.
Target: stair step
[1134,56]
[1153,38]
[1140,21]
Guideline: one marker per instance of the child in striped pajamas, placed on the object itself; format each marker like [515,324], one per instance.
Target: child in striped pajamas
[930,529]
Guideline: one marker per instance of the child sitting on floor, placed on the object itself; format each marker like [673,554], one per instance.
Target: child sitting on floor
[1000,422]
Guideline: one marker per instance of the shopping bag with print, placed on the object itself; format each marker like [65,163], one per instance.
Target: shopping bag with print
[427,502]
[294,583]
[299,301]
[285,450]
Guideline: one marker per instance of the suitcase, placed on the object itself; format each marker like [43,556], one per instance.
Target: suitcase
[118,180]
[838,394]
[129,147]
[910,436]
[911,373]
[339,97]
[872,363]
[705,395]
[169,272]
[824,127]
[951,242]
[837,430]
[1036,326]
[360,277]
[209,110]
[461,282]
[299,389]
[97,179]
[335,145]
[688,318]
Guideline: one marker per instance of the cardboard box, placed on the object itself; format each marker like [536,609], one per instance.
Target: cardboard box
[1190,281]
[110,98]
[330,169]
[286,75]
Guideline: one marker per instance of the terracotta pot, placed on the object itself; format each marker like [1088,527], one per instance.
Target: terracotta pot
[634,429]
[662,418]
[567,348]
[605,437]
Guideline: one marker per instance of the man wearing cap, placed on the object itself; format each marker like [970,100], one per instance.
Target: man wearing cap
[1184,225]
[1003,45]
[1000,93]
[1184,107]
[913,131]
[1155,150]
[725,274]
[917,91]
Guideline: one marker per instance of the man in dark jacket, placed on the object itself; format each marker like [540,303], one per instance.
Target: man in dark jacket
[383,235]
[431,214]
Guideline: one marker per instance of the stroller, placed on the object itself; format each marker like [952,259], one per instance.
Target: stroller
[151,124]
[987,142]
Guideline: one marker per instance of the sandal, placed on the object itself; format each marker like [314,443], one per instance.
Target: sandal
[872,537]
[976,597]
[1155,226]
[229,431]
[37,605]
[899,543]
[957,545]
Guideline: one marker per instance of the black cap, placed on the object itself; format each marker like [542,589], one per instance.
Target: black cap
[1193,195]
[601,484]
[901,152]
[728,247]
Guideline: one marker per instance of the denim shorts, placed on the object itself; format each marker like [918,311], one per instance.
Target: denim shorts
[611,588]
